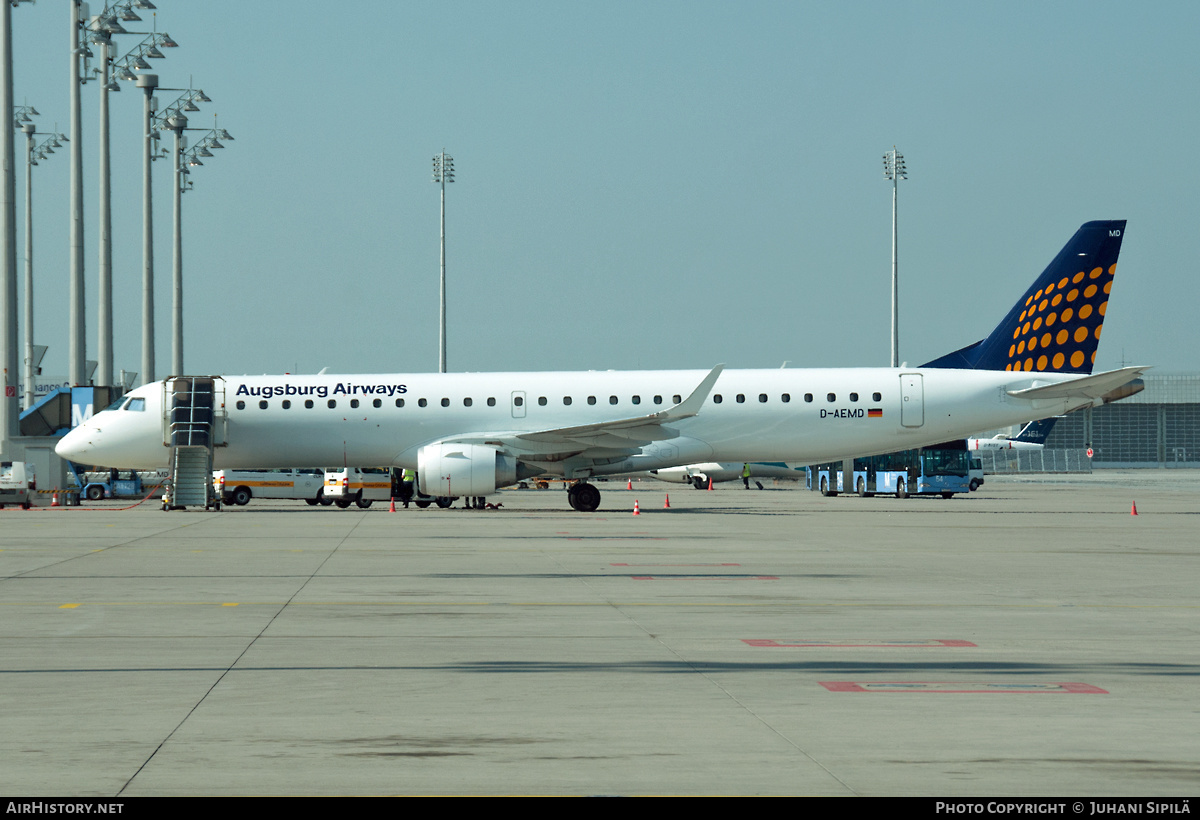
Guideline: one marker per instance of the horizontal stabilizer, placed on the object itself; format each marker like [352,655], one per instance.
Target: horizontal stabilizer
[1086,388]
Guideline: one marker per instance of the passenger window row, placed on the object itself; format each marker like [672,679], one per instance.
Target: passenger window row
[542,401]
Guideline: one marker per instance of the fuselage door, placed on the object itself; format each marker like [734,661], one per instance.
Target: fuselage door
[518,404]
[912,400]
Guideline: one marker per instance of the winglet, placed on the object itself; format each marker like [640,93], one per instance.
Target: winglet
[692,404]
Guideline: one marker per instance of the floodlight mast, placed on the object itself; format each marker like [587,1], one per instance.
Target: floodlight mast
[33,152]
[894,171]
[101,28]
[443,172]
[9,416]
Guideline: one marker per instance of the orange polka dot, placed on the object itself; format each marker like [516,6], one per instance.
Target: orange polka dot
[1033,343]
[1112,268]
[1080,333]
[1095,274]
[1021,318]
[1029,364]
[1093,357]
[1041,363]
[1037,323]
[1062,336]
[1051,319]
[1073,294]
[1090,292]
[1057,298]
[1008,367]
[1021,347]
[1030,299]
[1045,340]
[1011,350]
[1043,304]
[1077,358]
[1103,307]
[1049,288]
[1025,328]
[1037,295]
[1058,360]
[1097,332]
[1108,287]
[1085,311]
[1077,278]
[1067,314]
[1062,283]
[1017,332]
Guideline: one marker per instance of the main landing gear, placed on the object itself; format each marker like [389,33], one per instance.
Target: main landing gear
[583,497]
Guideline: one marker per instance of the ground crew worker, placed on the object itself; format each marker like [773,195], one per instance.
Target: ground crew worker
[746,475]
[408,481]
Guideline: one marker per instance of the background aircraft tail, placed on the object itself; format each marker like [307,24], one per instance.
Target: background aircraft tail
[1056,325]
[1036,431]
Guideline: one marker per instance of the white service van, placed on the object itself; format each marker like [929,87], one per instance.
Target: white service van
[351,485]
[239,486]
[17,483]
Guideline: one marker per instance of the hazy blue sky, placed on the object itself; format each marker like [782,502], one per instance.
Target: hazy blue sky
[640,184]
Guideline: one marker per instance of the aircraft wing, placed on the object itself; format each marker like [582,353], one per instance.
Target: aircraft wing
[1086,388]
[605,438]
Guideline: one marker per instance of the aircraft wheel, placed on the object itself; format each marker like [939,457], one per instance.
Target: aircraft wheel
[698,482]
[241,496]
[587,498]
[423,504]
[573,496]
[95,493]
[342,503]
[444,502]
[901,489]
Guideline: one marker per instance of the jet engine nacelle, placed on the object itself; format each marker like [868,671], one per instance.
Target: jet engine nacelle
[458,470]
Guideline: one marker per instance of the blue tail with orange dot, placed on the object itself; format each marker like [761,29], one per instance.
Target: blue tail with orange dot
[1056,325]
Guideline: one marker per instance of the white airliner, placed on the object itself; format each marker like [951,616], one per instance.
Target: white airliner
[468,434]
[1032,437]
[699,475]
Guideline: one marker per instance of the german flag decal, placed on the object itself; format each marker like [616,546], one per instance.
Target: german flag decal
[875,413]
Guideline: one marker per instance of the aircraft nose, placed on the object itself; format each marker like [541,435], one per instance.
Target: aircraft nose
[74,446]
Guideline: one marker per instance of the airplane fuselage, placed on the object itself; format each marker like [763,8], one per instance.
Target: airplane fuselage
[801,416]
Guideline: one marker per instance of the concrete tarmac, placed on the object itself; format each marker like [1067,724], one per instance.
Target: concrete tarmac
[1034,638]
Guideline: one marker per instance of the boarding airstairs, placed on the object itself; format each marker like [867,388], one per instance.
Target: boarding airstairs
[193,424]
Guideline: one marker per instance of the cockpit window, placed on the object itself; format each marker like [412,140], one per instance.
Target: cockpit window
[138,404]
[117,404]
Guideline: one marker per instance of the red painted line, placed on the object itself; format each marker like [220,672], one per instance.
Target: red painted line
[864,645]
[929,687]
[674,565]
[705,577]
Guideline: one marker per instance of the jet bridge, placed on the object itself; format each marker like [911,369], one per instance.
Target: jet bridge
[194,422]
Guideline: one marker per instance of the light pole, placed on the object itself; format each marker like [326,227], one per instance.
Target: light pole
[32,154]
[443,172]
[147,82]
[893,170]
[173,119]
[9,415]
[102,27]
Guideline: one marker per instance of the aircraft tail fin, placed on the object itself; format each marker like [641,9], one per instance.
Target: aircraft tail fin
[1055,326]
[1035,432]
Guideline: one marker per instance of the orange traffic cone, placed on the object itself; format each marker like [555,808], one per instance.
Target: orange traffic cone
[54,498]
[629,484]
[1133,511]
[667,503]
[710,484]
[392,508]
[636,511]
